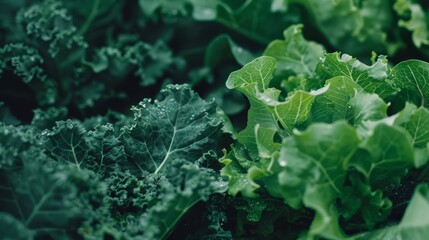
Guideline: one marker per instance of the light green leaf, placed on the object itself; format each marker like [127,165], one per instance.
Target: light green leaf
[415,121]
[295,54]
[238,178]
[321,198]
[367,107]
[311,170]
[412,77]
[333,104]
[265,141]
[265,109]
[349,26]
[372,78]
[293,111]
[385,156]
[253,77]
[414,20]
[251,80]
[418,127]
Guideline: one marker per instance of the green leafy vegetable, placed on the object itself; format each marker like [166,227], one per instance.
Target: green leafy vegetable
[341,168]
[321,133]
[62,179]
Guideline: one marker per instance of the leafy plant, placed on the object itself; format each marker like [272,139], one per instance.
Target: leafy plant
[129,179]
[333,149]
[317,144]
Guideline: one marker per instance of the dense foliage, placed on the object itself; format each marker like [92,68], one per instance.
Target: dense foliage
[130,120]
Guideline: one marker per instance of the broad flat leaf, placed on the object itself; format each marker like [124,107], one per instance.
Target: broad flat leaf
[372,79]
[385,156]
[295,54]
[179,125]
[265,109]
[293,111]
[321,198]
[265,141]
[257,114]
[367,107]
[254,19]
[342,98]
[418,127]
[252,79]
[413,19]
[314,160]
[333,103]
[324,148]
[412,77]
[223,47]
[415,121]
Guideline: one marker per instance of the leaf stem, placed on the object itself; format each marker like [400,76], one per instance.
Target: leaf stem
[87,24]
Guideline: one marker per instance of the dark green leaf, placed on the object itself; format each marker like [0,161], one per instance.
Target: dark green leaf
[178,125]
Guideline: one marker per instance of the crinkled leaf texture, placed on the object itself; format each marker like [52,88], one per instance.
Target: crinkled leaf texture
[169,137]
[311,170]
[266,110]
[295,53]
[372,79]
[334,150]
[354,27]
[47,197]
[413,19]
[179,125]
[134,179]
[414,223]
